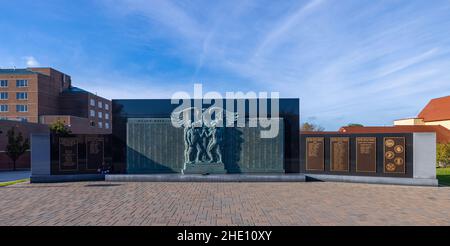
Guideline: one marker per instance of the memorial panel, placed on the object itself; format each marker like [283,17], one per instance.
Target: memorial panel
[340,154]
[68,154]
[94,152]
[315,154]
[366,154]
[394,155]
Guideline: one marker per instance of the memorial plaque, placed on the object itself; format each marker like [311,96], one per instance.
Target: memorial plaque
[68,154]
[94,153]
[394,155]
[315,154]
[340,154]
[366,154]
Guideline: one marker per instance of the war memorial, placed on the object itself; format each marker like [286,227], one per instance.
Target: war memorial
[241,140]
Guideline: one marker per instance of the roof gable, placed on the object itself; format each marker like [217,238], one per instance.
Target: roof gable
[436,110]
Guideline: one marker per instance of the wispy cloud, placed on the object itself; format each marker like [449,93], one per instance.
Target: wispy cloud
[31,61]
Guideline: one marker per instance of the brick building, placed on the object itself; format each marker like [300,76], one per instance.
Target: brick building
[33,98]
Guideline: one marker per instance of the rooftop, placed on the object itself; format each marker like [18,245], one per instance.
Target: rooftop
[20,71]
[442,133]
[436,110]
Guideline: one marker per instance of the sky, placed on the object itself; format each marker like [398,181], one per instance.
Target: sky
[349,61]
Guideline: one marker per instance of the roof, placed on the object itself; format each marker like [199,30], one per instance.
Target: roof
[20,71]
[74,89]
[442,133]
[437,109]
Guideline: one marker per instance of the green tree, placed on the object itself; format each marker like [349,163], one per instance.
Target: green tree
[443,155]
[16,146]
[355,124]
[59,128]
[310,127]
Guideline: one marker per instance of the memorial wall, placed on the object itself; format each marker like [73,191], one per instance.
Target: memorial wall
[146,142]
[388,155]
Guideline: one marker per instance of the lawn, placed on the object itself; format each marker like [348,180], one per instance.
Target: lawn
[443,175]
[2,184]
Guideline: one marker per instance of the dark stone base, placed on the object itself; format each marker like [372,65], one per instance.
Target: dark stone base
[204,168]
[66,178]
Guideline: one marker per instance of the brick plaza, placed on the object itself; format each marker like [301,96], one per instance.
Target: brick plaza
[311,203]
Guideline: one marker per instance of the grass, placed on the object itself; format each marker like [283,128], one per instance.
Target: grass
[443,175]
[3,184]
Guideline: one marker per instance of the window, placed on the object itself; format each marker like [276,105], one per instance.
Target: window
[3,83]
[3,108]
[92,102]
[107,116]
[3,95]
[106,106]
[22,83]
[92,113]
[3,118]
[23,119]
[92,123]
[21,108]
[100,104]
[100,115]
[100,125]
[21,95]
[107,125]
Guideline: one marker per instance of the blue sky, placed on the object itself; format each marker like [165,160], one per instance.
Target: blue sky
[359,61]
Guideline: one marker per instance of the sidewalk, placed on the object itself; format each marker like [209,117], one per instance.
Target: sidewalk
[11,176]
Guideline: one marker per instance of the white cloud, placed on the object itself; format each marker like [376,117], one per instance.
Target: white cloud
[31,61]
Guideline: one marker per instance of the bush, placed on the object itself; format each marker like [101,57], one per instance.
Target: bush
[443,155]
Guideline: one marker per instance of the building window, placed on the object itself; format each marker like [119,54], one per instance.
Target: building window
[92,123]
[106,106]
[100,104]
[3,108]
[22,119]
[22,108]
[92,102]
[22,83]
[21,95]
[3,118]
[92,113]
[100,115]
[107,116]
[100,125]
[3,95]
[3,83]
[107,125]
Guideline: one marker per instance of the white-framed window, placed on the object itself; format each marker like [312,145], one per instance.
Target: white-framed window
[22,119]
[3,108]
[21,83]
[22,96]
[100,115]
[3,83]
[3,95]
[100,104]
[106,106]
[107,125]
[107,116]
[21,108]
[100,125]
[92,113]
[92,123]
[92,102]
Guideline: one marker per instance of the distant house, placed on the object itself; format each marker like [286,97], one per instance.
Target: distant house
[434,117]
[436,112]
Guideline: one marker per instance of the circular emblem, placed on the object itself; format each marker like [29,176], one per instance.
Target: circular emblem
[398,149]
[390,167]
[398,161]
[389,143]
[389,155]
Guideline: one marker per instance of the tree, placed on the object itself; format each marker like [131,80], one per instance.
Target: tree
[355,124]
[310,127]
[443,155]
[17,146]
[59,128]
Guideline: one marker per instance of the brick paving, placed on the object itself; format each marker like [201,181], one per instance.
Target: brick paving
[315,203]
